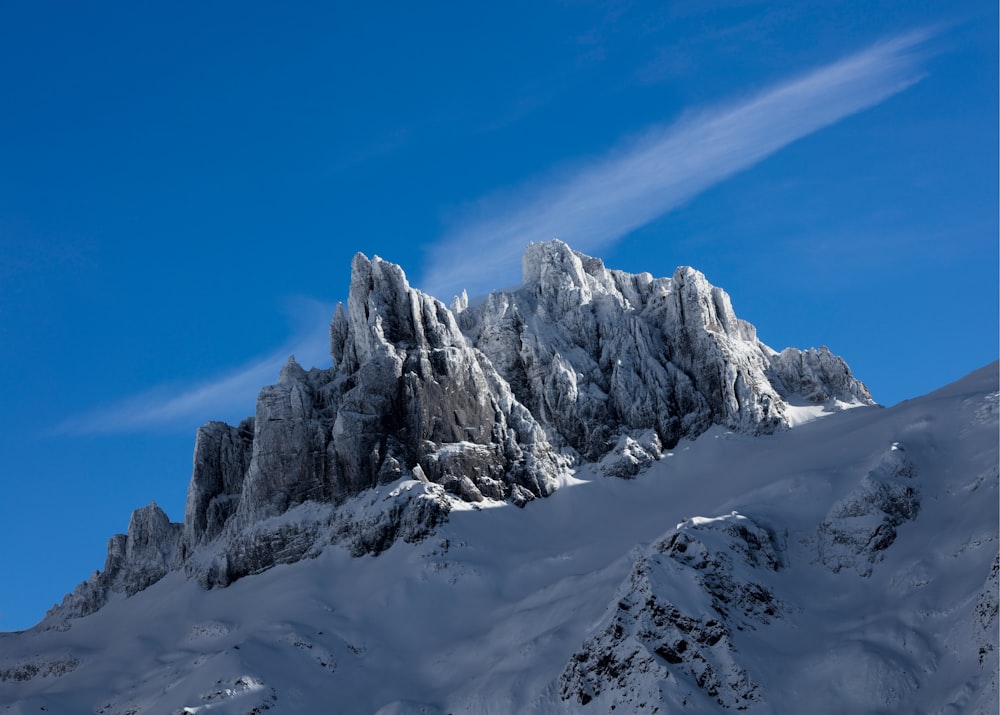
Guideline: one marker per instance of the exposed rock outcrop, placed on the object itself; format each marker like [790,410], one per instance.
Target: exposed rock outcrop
[667,638]
[494,401]
[407,510]
[407,398]
[595,353]
[135,561]
[632,454]
[860,527]
[987,609]
[818,376]
[221,458]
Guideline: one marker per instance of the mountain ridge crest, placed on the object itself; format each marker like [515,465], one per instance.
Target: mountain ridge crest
[493,402]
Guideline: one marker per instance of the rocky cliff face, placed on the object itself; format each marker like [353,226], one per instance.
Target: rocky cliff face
[498,401]
[135,561]
[668,636]
[595,353]
[860,527]
[408,398]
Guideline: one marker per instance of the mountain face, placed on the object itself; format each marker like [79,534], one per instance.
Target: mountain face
[595,353]
[856,552]
[493,402]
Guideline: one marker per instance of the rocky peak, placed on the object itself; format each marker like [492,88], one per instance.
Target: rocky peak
[702,304]
[566,279]
[597,353]
[151,538]
[383,310]
[408,397]
[818,376]
[291,373]
[411,367]
[135,561]
[557,272]
[492,401]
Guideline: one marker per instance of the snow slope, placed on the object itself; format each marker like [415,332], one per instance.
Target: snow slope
[846,565]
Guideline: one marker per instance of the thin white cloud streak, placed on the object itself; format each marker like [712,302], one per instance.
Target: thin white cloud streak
[230,396]
[599,205]
[633,186]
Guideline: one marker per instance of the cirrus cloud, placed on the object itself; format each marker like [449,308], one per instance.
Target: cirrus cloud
[635,184]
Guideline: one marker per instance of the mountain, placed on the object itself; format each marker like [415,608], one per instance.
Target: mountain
[493,402]
[689,535]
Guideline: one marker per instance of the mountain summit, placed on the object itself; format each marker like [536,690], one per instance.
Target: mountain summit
[686,541]
[493,402]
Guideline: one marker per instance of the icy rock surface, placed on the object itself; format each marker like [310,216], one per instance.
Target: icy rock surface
[632,454]
[595,352]
[481,403]
[407,398]
[135,561]
[860,527]
[413,392]
[667,638]
[819,376]
[407,510]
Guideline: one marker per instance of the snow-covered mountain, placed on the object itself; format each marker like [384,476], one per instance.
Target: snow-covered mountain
[356,546]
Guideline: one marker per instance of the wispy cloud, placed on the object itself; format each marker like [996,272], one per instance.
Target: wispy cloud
[635,184]
[598,204]
[227,396]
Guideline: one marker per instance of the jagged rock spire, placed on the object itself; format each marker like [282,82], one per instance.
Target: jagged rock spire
[492,401]
[596,352]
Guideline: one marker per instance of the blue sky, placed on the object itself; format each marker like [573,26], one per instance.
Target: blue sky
[183,185]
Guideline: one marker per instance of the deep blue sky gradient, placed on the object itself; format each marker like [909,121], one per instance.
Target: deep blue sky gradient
[183,185]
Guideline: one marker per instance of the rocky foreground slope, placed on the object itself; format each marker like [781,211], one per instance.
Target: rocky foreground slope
[496,401]
[847,565]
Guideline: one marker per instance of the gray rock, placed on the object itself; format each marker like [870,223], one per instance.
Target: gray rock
[597,353]
[407,397]
[632,454]
[492,401]
[39,667]
[288,461]
[407,510]
[421,394]
[818,376]
[221,459]
[666,641]
[135,561]
[985,633]
[860,527]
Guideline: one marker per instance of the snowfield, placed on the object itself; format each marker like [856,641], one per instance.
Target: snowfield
[846,565]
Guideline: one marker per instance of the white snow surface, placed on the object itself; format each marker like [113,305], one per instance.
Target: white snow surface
[798,412]
[485,615]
